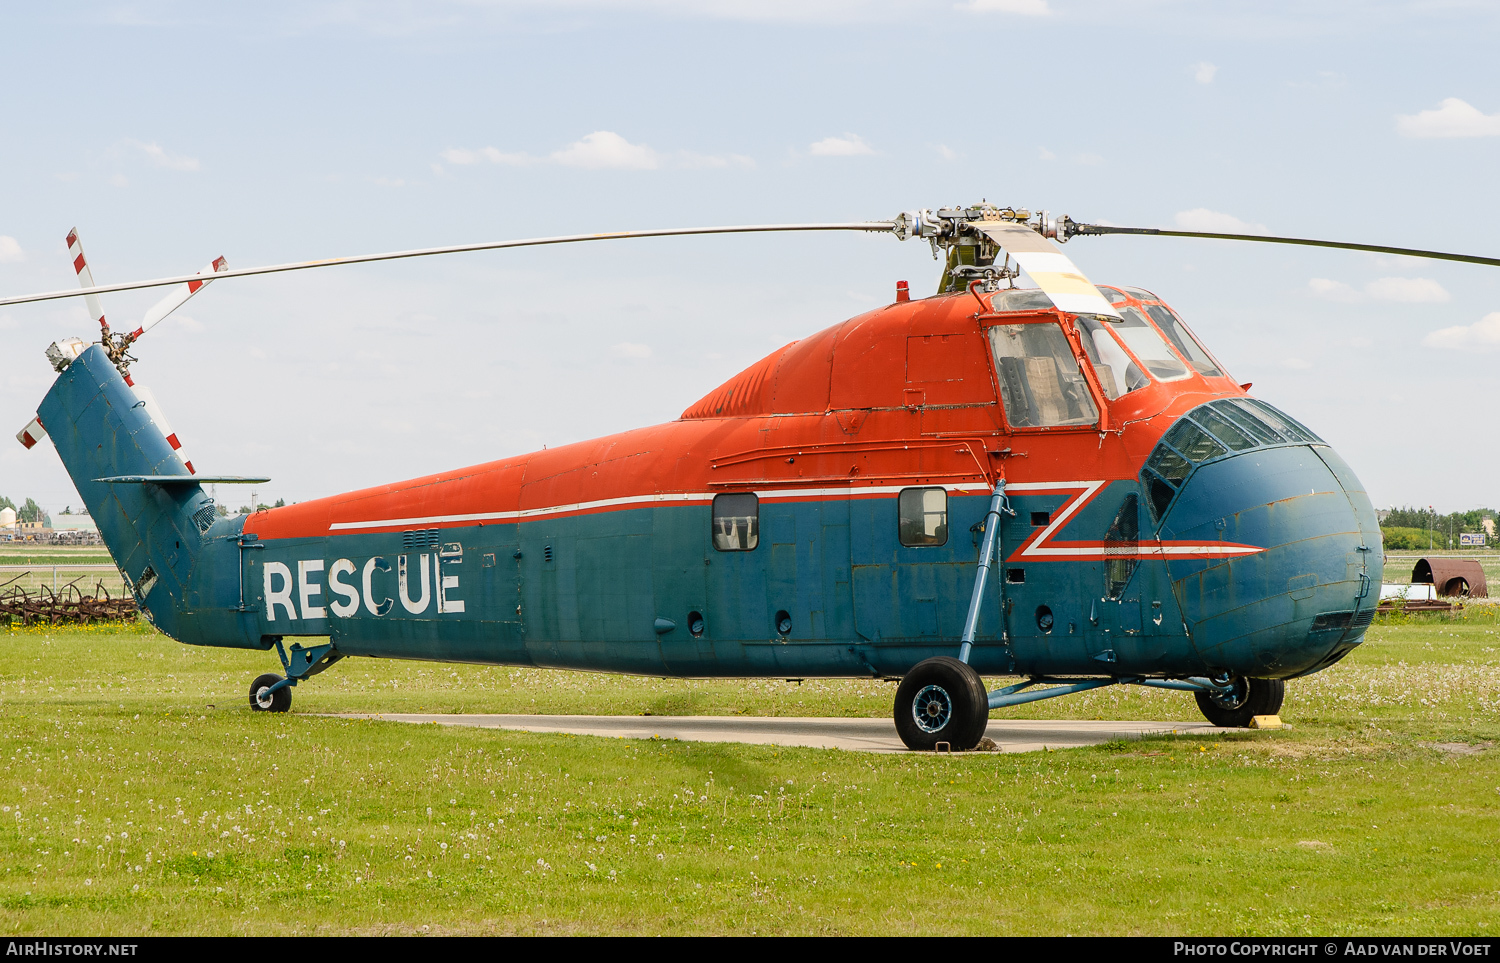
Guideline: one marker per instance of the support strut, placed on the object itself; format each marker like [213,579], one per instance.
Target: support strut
[998,504]
[1015,695]
[301,662]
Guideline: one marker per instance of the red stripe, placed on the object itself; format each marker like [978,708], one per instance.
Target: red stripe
[172,440]
[79,264]
[72,238]
[137,332]
[193,286]
[26,439]
[190,468]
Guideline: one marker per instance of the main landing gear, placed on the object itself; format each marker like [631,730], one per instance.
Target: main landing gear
[1233,707]
[941,700]
[273,693]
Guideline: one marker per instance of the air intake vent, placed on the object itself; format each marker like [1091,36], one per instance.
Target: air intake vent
[1329,621]
[421,538]
[204,517]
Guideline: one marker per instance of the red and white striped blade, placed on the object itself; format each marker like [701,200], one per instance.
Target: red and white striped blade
[177,297]
[85,277]
[32,433]
[154,410]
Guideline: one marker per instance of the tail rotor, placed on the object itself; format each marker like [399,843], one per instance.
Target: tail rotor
[117,346]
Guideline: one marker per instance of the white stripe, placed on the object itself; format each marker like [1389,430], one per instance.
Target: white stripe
[1083,304]
[678,498]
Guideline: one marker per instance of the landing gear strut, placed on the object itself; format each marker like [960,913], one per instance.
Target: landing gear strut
[273,693]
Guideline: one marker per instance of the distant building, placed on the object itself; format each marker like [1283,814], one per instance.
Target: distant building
[7,517]
[1381,514]
[73,523]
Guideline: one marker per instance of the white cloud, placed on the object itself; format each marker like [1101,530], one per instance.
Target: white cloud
[462,156]
[1483,334]
[1089,160]
[1333,291]
[388,182]
[118,180]
[1026,8]
[1408,290]
[1402,290]
[601,150]
[606,150]
[1045,154]
[10,250]
[945,152]
[1203,72]
[850,145]
[627,349]
[1296,364]
[1452,118]
[161,157]
[1213,222]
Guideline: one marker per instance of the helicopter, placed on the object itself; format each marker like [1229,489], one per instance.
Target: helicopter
[1058,483]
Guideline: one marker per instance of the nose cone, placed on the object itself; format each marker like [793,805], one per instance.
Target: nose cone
[1305,600]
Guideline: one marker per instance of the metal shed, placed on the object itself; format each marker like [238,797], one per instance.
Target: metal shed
[1452,576]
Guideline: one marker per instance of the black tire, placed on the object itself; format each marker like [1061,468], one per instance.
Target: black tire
[941,700]
[1251,697]
[279,701]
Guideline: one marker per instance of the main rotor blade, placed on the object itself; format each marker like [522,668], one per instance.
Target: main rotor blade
[454,249]
[1271,239]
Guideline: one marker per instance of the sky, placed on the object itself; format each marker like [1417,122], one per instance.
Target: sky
[171,133]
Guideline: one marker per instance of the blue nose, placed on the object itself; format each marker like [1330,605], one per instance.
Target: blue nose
[1303,601]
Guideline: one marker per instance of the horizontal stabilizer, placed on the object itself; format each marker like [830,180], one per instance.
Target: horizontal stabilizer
[182,480]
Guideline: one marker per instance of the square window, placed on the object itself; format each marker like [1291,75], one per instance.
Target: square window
[1015,575]
[924,516]
[736,522]
[1038,519]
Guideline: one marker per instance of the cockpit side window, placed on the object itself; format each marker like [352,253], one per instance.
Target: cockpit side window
[1172,326]
[1118,373]
[1041,385]
[1147,344]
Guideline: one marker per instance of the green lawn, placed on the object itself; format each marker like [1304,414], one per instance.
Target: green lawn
[140,795]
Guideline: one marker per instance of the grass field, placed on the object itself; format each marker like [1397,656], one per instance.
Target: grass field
[140,795]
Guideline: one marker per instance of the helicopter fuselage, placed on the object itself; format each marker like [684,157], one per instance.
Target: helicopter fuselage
[818,515]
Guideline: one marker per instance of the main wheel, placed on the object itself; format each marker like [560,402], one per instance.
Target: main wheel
[941,700]
[1249,697]
[264,700]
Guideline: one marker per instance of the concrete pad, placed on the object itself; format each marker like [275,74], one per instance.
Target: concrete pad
[866,735]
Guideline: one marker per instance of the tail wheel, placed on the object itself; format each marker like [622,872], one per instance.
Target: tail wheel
[941,700]
[1248,697]
[262,699]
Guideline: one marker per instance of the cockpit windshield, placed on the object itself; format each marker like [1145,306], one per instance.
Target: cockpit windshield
[1118,373]
[1172,326]
[1041,385]
[1147,344]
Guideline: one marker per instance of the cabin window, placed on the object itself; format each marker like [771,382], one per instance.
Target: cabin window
[1040,382]
[1147,344]
[736,522]
[1177,332]
[1118,373]
[924,516]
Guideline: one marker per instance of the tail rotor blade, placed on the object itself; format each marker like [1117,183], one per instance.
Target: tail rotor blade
[85,278]
[176,298]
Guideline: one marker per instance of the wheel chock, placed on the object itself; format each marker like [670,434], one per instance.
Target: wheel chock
[1265,722]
